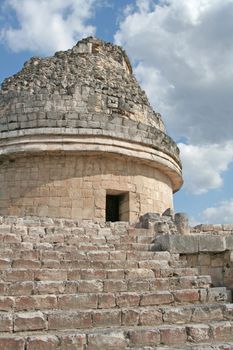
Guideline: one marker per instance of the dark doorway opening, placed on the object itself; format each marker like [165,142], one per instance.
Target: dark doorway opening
[117,206]
[112,208]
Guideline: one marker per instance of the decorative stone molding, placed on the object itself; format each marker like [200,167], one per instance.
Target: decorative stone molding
[64,143]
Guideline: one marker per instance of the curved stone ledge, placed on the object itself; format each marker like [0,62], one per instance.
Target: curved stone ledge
[36,144]
[136,132]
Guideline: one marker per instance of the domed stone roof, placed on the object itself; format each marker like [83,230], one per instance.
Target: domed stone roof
[92,78]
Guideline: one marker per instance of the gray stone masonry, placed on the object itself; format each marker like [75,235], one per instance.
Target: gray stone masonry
[209,248]
[192,243]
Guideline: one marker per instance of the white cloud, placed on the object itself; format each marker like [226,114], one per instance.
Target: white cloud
[46,26]
[183,56]
[185,52]
[222,213]
[204,165]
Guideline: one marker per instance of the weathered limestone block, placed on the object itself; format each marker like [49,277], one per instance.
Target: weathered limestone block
[181,221]
[178,315]
[148,220]
[10,343]
[162,227]
[211,243]
[42,342]
[221,331]
[173,335]
[147,337]
[229,242]
[73,341]
[178,243]
[198,333]
[71,320]
[29,321]
[137,274]
[150,316]
[6,322]
[195,244]
[113,340]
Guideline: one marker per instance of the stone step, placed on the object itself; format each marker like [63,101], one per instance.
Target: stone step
[75,239]
[69,253]
[51,261]
[84,264]
[59,333]
[107,264]
[43,274]
[152,316]
[76,235]
[107,246]
[78,342]
[108,285]
[93,287]
[50,254]
[181,335]
[111,242]
[113,300]
[86,246]
[81,228]
[201,346]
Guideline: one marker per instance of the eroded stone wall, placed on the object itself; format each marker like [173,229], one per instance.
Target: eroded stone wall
[76,186]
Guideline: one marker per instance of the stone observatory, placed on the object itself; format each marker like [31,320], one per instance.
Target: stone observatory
[87,261]
[79,140]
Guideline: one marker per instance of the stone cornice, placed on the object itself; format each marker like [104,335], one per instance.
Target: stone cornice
[28,142]
[155,138]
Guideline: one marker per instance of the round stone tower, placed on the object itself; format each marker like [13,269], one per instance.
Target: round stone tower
[80,140]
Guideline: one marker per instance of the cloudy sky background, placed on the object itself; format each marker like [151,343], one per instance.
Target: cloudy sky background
[182,53]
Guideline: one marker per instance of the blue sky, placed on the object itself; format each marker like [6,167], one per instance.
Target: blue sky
[182,54]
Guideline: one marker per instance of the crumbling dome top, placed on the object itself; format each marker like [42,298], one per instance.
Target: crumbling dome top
[92,77]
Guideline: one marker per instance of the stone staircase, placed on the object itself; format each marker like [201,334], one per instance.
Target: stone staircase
[69,285]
